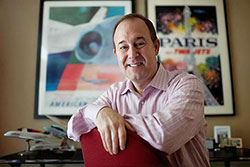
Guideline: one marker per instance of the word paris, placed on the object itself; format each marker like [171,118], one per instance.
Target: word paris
[188,42]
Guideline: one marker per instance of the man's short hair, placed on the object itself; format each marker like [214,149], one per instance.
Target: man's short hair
[146,21]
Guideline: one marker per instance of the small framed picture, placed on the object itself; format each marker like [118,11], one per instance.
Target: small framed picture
[235,142]
[222,134]
[210,144]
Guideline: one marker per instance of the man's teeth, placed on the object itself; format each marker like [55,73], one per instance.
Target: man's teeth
[135,65]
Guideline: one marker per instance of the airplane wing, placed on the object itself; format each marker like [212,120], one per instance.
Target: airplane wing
[63,37]
[99,16]
[57,27]
[27,135]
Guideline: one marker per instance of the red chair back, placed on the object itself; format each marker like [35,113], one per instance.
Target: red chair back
[137,153]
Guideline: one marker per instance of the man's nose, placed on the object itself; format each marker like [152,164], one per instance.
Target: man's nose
[133,52]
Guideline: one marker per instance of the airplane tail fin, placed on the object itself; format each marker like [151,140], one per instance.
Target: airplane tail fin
[60,122]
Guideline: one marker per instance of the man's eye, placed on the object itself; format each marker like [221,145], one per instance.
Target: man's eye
[139,44]
[123,47]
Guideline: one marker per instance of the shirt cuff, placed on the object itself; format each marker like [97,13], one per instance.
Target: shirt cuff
[92,110]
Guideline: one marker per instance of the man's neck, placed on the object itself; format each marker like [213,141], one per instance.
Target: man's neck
[139,87]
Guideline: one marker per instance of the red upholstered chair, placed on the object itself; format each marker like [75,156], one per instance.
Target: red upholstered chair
[137,153]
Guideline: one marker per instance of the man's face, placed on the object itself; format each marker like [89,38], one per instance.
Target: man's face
[135,51]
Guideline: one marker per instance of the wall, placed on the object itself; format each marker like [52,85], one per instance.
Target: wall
[18,53]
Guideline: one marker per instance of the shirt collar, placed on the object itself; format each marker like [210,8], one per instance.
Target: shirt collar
[129,87]
[160,81]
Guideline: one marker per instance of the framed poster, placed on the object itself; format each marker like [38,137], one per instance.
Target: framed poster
[193,36]
[75,53]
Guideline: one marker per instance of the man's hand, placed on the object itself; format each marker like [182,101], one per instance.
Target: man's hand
[112,128]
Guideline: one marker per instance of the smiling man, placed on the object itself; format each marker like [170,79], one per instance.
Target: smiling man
[136,52]
[164,108]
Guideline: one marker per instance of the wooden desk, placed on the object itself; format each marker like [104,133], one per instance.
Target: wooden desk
[49,157]
[43,157]
[227,156]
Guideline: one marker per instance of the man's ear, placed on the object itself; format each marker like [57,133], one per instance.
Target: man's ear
[157,47]
[114,51]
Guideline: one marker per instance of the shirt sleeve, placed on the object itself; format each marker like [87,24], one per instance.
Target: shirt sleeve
[82,122]
[183,118]
[85,119]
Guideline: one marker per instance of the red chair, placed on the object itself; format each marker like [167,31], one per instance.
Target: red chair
[137,153]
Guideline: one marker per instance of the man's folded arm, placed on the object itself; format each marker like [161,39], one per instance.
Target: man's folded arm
[183,118]
[165,130]
[85,119]
[81,122]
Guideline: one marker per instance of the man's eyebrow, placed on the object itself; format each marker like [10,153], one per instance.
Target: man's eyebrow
[138,38]
[121,42]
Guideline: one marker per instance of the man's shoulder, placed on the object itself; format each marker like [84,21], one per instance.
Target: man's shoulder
[181,80]
[178,76]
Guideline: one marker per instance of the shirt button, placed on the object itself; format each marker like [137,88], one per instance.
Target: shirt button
[142,102]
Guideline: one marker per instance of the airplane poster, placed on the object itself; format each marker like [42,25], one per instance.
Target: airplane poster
[193,38]
[76,60]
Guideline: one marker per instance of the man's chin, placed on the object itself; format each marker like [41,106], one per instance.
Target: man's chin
[136,78]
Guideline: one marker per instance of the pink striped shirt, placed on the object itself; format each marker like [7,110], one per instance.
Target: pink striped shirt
[169,115]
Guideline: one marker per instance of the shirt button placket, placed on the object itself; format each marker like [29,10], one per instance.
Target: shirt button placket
[140,105]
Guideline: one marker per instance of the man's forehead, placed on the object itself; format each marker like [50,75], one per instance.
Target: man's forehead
[130,25]
[134,40]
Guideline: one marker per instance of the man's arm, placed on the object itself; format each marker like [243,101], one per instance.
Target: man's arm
[165,130]
[82,121]
[183,118]
[170,129]
[112,128]
[109,122]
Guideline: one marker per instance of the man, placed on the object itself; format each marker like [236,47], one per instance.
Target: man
[164,108]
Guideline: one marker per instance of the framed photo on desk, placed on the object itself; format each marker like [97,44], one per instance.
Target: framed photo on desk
[193,36]
[222,134]
[237,142]
[75,62]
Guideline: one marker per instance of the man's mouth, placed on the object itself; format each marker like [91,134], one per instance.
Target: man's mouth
[135,65]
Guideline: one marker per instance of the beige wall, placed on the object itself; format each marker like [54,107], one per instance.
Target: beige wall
[18,53]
